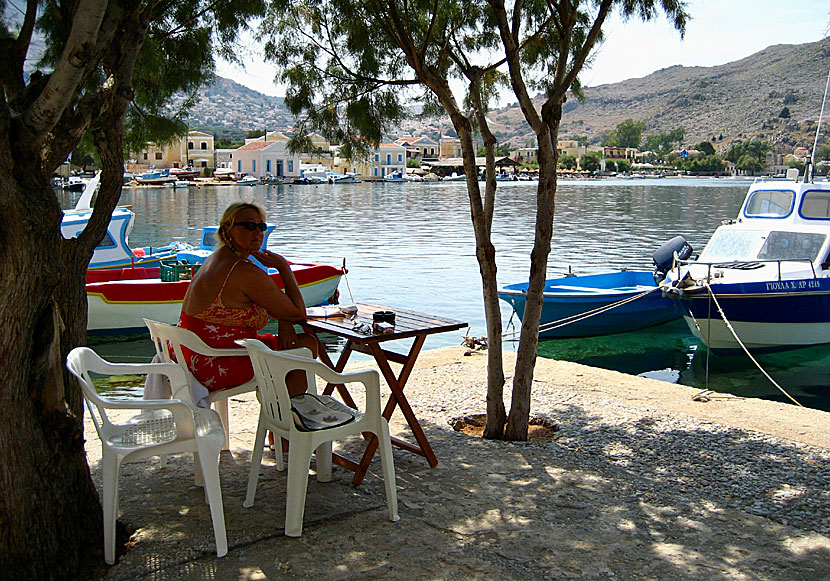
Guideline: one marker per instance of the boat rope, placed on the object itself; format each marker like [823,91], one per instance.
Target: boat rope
[735,335]
[346,278]
[511,336]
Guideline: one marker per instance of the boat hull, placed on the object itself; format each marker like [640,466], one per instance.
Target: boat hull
[576,296]
[119,305]
[767,316]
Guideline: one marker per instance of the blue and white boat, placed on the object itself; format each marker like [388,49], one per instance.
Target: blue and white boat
[114,250]
[596,304]
[154,177]
[765,275]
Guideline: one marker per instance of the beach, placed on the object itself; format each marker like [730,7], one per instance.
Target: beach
[636,480]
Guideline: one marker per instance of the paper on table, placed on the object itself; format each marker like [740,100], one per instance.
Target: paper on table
[329,311]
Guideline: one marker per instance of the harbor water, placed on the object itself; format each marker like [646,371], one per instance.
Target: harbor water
[411,245]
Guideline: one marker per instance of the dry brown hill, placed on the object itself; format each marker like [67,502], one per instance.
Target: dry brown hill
[737,100]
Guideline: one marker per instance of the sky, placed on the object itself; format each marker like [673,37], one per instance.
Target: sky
[721,31]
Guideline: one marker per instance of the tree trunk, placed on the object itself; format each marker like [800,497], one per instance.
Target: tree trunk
[517,420]
[50,517]
[486,255]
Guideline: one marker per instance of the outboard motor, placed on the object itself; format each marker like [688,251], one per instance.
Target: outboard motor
[664,257]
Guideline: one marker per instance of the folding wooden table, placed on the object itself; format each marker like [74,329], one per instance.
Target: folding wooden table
[360,336]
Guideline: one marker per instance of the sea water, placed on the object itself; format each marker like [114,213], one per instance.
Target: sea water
[411,245]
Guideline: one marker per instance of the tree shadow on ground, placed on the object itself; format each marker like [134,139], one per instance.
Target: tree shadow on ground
[655,497]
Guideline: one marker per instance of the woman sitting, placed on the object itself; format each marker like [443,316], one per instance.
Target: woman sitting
[231,298]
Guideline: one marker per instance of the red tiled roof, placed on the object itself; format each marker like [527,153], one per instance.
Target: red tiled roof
[256,145]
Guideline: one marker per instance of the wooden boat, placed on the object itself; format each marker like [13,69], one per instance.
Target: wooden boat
[120,299]
[596,304]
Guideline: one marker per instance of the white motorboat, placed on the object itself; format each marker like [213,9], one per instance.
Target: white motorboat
[765,275]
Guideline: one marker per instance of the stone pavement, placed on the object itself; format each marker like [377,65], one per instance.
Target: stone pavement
[638,483]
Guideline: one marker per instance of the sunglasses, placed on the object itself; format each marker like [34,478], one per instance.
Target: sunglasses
[253,226]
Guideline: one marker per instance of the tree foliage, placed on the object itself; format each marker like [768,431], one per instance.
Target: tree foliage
[629,133]
[590,161]
[663,143]
[754,148]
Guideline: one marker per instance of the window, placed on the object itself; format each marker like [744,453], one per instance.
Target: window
[377,157]
[770,204]
[158,155]
[290,166]
[107,242]
[239,165]
[145,155]
[190,145]
[203,145]
[268,166]
[388,159]
[816,205]
[253,166]
[400,158]
[792,246]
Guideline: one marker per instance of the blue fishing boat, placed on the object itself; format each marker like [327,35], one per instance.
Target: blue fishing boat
[596,304]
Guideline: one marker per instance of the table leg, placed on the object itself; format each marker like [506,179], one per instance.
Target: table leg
[397,398]
[339,367]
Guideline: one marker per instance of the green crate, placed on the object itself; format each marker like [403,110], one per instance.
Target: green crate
[173,271]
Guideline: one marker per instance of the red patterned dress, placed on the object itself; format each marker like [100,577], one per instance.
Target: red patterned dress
[219,327]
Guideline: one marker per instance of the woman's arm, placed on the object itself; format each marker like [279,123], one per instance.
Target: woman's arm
[262,290]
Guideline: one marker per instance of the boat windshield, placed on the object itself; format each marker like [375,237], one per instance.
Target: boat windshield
[742,245]
[729,244]
[792,246]
[770,204]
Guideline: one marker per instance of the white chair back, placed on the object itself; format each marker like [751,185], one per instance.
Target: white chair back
[272,390]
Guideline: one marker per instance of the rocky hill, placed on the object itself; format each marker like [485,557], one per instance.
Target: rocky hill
[734,101]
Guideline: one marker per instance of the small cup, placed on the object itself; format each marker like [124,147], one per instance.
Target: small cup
[384,317]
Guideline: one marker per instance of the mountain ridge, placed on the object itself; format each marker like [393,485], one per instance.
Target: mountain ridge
[726,103]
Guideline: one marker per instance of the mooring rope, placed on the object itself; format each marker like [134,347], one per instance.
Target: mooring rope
[579,316]
[735,335]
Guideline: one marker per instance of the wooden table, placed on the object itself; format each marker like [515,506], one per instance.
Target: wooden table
[360,336]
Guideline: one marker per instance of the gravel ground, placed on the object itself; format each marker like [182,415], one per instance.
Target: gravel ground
[639,482]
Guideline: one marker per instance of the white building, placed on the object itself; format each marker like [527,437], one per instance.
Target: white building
[263,158]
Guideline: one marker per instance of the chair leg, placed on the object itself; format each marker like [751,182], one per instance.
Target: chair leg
[198,477]
[213,489]
[112,468]
[388,466]
[221,407]
[322,458]
[299,459]
[256,463]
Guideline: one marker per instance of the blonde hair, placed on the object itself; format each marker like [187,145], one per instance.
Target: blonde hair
[229,217]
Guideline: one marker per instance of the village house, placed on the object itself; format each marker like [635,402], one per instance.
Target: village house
[426,148]
[264,158]
[450,147]
[196,149]
[385,159]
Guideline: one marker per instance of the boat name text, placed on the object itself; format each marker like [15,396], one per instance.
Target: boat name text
[786,285]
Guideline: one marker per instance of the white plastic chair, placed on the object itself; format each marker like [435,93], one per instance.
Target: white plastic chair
[162,334]
[270,369]
[166,426]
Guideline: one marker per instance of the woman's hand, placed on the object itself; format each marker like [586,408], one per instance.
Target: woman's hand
[287,335]
[270,259]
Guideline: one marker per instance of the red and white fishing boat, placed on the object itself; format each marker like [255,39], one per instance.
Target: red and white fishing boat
[120,299]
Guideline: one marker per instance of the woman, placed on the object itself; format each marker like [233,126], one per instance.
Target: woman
[232,298]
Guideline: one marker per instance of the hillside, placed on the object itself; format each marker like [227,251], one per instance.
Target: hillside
[734,101]
[737,100]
